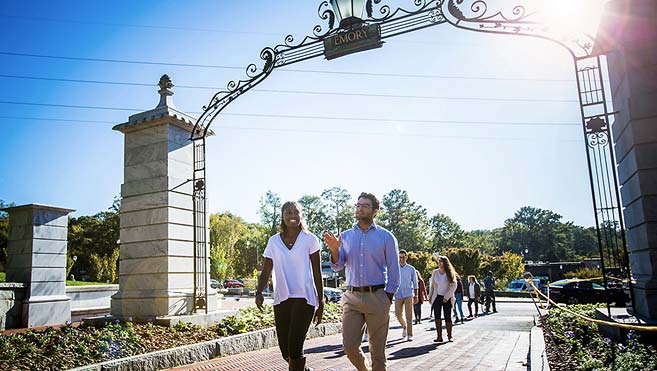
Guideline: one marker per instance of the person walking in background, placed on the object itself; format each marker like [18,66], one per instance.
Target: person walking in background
[473,291]
[371,260]
[489,291]
[441,294]
[458,297]
[293,255]
[406,296]
[421,297]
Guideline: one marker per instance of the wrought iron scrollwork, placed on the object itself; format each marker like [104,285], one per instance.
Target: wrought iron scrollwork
[475,15]
[383,13]
[233,90]
[597,139]
[424,14]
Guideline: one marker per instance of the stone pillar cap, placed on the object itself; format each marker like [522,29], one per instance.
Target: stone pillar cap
[38,206]
[165,111]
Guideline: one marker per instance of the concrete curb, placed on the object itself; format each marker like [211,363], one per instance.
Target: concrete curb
[538,357]
[199,352]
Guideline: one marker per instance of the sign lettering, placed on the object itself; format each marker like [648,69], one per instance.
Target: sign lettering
[352,41]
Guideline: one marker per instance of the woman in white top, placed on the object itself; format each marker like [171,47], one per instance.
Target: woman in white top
[441,294]
[293,255]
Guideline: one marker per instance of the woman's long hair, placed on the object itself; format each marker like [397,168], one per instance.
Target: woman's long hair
[302,225]
[449,268]
[419,276]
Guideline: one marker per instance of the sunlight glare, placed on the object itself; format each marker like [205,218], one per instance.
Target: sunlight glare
[571,17]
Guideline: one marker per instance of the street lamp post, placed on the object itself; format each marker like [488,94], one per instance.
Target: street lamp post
[77,269]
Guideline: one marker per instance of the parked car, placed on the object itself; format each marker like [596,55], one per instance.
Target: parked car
[521,285]
[332,295]
[233,284]
[574,291]
[215,284]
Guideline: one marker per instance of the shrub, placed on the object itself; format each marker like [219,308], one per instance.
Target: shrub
[69,346]
[584,273]
[576,344]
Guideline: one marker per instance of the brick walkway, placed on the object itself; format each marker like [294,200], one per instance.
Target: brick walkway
[493,342]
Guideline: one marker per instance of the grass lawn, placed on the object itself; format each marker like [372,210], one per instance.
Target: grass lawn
[3,278]
[85,283]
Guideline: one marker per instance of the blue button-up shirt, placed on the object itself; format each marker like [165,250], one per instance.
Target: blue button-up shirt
[371,257]
[408,282]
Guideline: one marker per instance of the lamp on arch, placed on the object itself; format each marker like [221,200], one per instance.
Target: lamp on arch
[348,12]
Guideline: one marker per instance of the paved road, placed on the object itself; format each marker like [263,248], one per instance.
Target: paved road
[497,341]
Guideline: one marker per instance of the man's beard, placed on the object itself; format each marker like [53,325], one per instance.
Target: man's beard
[366,219]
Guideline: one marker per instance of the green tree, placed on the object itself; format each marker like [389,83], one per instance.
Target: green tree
[511,266]
[445,233]
[584,242]
[585,273]
[537,234]
[226,230]
[341,211]
[423,262]
[96,235]
[465,260]
[483,240]
[405,219]
[247,252]
[4,232]
[315,213]
[270,211]
[505,268]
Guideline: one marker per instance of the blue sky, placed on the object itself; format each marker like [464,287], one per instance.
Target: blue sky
[491,126]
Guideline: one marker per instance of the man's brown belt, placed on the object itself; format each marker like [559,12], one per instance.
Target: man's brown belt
[365,288]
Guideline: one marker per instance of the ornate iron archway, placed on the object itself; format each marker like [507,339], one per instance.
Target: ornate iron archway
[474,15]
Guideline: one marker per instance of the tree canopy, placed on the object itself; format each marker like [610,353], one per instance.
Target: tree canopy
[236,246]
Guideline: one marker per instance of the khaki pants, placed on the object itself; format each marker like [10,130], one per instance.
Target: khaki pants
[359,309]
[407,305]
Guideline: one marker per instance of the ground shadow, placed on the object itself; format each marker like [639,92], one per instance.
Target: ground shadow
[412,351]
[336,351]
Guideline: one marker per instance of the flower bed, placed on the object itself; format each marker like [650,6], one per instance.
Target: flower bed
[573,344]
[73,346]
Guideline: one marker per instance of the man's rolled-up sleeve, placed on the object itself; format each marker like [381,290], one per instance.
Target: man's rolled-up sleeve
[337,266]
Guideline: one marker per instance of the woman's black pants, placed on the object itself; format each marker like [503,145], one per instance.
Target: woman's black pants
[476,304]
[417,309]
[445,307]
[292,317]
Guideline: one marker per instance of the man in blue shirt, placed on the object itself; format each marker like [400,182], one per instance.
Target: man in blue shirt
[406,296]
[370,255]
[489,287]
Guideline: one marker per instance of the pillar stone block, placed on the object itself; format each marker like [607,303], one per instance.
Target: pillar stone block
[156,269]
[628,36]
[36,256]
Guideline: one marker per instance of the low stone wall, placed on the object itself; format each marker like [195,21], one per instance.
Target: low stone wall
[204,351]
[11,305]
[86,297]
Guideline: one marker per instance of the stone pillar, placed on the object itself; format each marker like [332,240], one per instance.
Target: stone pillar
[156,240]
[36,256]
[628,35]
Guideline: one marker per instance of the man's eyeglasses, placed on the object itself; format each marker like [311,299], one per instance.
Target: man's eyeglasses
[363,206]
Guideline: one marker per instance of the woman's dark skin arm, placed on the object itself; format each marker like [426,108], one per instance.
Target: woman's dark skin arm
[317,275]
[262,282]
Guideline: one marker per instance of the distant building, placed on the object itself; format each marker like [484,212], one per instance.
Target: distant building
[554,270]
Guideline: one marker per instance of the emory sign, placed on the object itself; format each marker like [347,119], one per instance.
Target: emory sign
[352,41]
